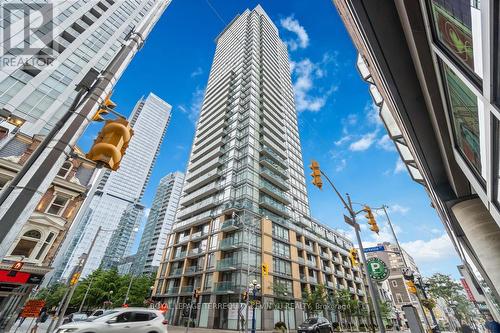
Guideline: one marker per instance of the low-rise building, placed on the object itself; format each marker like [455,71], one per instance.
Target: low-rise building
[42,234]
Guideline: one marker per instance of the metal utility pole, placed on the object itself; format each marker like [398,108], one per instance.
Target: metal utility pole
[78,270]
[128,289]
[405,263]
[352,221]
[19,200]
[86,294]
[193,298]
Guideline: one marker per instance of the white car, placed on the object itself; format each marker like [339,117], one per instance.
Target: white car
[124,320]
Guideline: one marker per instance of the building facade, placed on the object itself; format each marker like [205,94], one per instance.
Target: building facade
[115,205]
[244,202]
[41,67]
[395,283]
[43,233]
[159,223]
[432,69]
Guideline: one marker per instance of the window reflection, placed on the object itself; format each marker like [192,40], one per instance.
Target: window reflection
[464,115]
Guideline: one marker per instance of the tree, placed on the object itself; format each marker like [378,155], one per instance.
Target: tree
[315,301]
[452,292]
[385,311]
[280,303]
[103,286]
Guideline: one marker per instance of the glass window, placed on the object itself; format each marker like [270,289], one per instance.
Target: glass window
[27,243]
[63,172]
[58,205]
[457,25]
[464,115]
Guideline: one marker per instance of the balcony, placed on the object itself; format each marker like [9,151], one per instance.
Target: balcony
[229,225]
[227,264]
[274,206]
[274,178]
[180,255]
[324,255]
[198,207]
[198,234]
[361,292]
[216,153]
[225,286]
[200,172]
[351,289]
[348,276]
[303,277]
[172,291]
[330,284]
[301,261]
[195,252]
[327,269]
[187,289]
[336,260]
[339,273]
[274,192]
[346,264]
[175,272]
[312,279]
[358,280]
[276,157]
[299,244]
[183,239]
[309,248]
[201,181]
[198,194]
[311,263]
[274,166]
[192,269]
[230,243]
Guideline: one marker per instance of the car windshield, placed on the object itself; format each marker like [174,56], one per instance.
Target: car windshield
[105,315]
[79,316]
[311,321]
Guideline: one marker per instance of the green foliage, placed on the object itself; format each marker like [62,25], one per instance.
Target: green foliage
[452,292]
[385,311]
[428,303]
[315,301]
[105,285]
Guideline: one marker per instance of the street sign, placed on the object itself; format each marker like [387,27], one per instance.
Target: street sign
[377,269]
[374,249]
[32,308]
[349,221]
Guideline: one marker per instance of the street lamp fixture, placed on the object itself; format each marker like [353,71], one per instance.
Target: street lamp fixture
[254,287]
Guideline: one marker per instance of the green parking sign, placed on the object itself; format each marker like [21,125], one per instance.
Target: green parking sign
[377,269]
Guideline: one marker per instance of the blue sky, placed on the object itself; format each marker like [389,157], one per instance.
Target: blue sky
[337,122]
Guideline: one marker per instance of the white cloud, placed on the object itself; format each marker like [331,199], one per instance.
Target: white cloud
[372,114]
[430,251]
[398,209]
[386,143]
[341,165]
[196,72]
[343,140]
[365,142]
[400,166]
[305,73]
[301,37]
[193,110]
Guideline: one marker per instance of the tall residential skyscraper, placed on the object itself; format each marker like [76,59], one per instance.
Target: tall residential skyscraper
[116,201]
[245,172]
[160,220]
[73,36]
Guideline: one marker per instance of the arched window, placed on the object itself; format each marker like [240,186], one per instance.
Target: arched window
[45,244]
[27,243]
[65,169]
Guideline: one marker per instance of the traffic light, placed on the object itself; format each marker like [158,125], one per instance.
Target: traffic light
[371,220]
[316,174]
[74,279]
[196,294]
[265,269]
[111,143]
[353,255]
[104,109]
[411,287]
[244,295]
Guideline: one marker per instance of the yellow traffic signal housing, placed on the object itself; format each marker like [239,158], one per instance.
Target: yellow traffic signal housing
[74,279]
[265,269]
[353,255]
[371,220]
[111,143]
[104,109]
[316,174]
[411,287]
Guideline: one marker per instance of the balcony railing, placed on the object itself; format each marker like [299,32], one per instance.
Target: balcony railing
[229,225]
[339,273]
[198,234]
[352,290]
[180,255]
[172,290]
[195,251]
[224,286]
[312,279]
[275,192]
[299,244]
[270,163]
[187,289]
[275,156]
[192,269]
[327,269]
[358,280]
[274,178]
[303,277]
[273,206]
[175,272]
[231,243]
[311,263]
[227,264]
[301,260]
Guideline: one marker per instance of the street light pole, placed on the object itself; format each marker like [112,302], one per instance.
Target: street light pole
[255,287]
[405,263]
[86,293]
[128,289]
[371,289]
